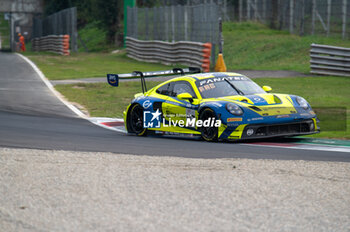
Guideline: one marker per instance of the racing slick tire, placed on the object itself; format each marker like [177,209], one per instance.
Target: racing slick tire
[209,133]
[135,120]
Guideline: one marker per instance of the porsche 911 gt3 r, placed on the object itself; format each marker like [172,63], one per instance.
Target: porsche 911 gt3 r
[218,106]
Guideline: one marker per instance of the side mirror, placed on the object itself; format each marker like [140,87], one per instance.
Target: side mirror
[185,96]
[267,88]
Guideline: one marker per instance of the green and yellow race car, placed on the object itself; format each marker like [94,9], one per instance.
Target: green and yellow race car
[215,106]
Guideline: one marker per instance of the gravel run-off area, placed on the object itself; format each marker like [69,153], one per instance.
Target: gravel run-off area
[84,191]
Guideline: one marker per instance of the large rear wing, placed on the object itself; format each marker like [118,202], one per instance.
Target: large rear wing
[113,79]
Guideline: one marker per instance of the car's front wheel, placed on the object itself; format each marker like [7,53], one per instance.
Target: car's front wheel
[208,133]
[135,120]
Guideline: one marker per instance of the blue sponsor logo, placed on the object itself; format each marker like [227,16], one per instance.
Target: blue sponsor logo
[151,120]
[113,79]
[146,104]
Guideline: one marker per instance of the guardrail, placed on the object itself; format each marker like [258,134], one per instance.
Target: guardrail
[52,43]
[330,60]
[193,54]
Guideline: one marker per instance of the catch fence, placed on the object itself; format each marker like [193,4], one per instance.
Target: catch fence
[303,17]
[321,17]
[198,23]
[63,22]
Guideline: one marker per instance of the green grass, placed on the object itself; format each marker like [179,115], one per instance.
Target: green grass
[256,47]
[105,101]
[101,99]
[83,65]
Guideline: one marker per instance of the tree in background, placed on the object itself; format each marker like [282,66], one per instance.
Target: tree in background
[108,14]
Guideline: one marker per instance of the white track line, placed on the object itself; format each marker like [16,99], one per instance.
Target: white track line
[68,104]
[53,90]
[308,147]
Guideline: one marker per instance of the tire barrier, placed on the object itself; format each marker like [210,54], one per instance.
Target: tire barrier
[330,60]
[52,43]
[189,53]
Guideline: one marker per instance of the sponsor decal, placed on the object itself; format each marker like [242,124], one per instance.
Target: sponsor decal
[234,119]
[146,104]
[283,116]
[113,79]
[255,119]
[267,108]
[219,79]
[232,124]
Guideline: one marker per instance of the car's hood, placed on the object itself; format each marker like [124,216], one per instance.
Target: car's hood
[263,104]
[258,99]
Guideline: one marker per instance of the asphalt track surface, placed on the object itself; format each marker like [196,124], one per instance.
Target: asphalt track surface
[32,117]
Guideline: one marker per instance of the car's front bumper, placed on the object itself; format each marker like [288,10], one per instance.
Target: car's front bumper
[256,131]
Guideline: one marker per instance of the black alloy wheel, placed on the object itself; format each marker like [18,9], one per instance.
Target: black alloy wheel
[135,120]
[209,133]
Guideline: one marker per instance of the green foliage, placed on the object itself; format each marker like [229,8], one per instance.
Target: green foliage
[107,12]
[52,6]
[93,37]
[4,32]
[256,47]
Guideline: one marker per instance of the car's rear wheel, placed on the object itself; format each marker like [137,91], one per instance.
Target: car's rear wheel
[208,133]
[135,120]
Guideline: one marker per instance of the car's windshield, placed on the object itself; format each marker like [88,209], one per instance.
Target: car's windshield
[219,87]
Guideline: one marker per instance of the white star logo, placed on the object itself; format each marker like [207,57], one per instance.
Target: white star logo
[156,115]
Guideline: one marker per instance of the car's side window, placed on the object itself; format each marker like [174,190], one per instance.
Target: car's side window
[164,89]
[182,87]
